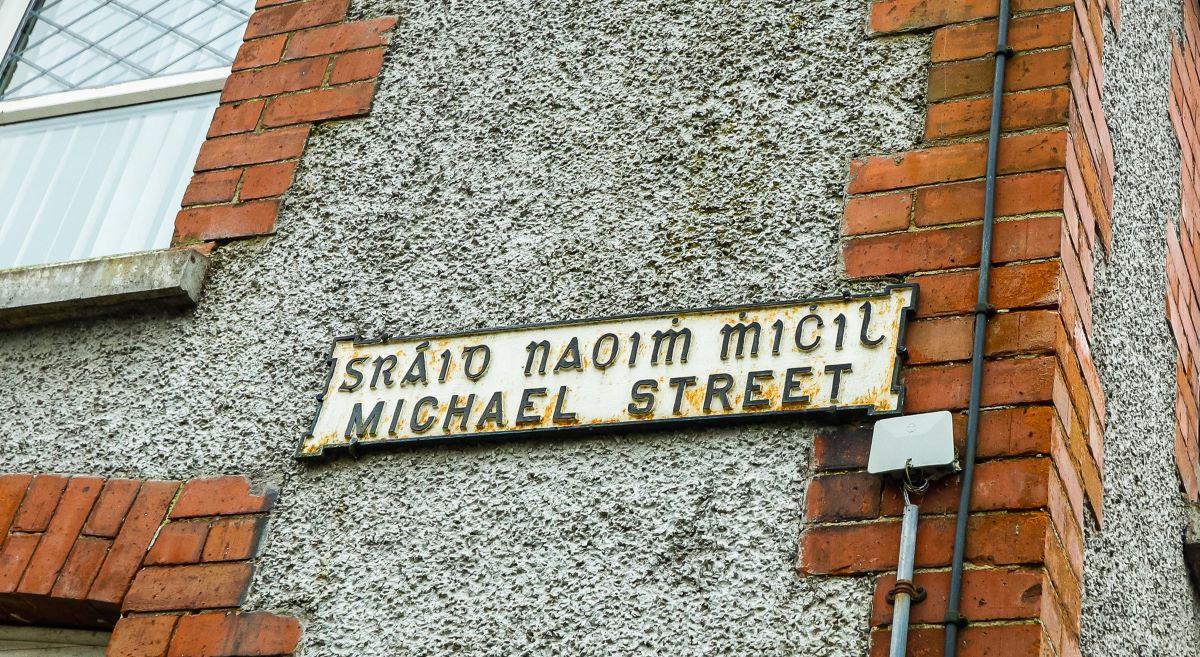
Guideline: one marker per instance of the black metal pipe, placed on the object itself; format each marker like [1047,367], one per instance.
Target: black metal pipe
[954,618]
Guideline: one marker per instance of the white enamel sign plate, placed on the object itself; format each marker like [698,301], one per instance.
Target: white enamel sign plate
[794,357]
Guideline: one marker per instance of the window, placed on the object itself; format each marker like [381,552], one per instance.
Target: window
[38,642]
[103,106]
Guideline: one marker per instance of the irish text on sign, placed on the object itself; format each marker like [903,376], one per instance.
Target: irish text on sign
[802,356]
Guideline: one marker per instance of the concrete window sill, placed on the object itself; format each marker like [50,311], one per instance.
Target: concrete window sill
[88,288]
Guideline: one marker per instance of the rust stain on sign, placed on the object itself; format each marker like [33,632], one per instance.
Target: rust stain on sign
[802,356]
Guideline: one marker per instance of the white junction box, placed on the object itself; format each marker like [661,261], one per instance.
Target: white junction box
[919,442]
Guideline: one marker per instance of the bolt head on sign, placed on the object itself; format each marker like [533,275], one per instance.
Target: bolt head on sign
[817,355]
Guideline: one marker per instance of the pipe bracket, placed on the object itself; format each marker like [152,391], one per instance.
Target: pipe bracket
[915,593]
[955,618]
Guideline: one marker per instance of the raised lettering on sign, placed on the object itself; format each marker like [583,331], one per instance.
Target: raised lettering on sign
[817,355]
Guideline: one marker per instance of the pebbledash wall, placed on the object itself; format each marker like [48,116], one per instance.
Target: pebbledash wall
[401,167]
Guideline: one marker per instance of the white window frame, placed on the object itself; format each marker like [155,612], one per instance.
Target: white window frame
[76,101]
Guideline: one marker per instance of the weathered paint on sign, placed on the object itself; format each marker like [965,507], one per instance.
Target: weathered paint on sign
[802,356]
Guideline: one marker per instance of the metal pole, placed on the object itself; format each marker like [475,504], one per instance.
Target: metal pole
[904,573]
[954,618]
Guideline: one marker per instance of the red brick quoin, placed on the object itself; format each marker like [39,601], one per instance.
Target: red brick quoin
[301,63]
[165,564]
[916,216]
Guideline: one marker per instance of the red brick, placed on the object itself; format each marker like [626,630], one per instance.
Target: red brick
[73,509]
[266,634]
[1074,378]
[1020,194]
[842,447]
[1064,643]
[1068,475]
[40,501]
[110,509]
[220,496]
[355,66]
[994,539]
[946,387]
[951,338]
[1188,475]
[141,636]
[12,491]
[267,180]
[1077,309]
[1076,443]
[850,496]
[950,248]
[127,552]
[277,79]
[938,164]
[1012,286]
[81,568]
[204,635]
[892,16]
[987,595]
[260,52]
[321,105]
[1020,484]
[1066,582]
[232,118]
[1018,431]
[178,542]
[1021,332]
[212,187]
[200,586]
[876,214]
[1020,111]
[340,38]
[1008,640]
[1077,205]
[974,77]
[234,539]
[235,634]
[1024,33]
[1092,482]
[14,557]
[297,16]
[243,149]
[220,222]
[940,340]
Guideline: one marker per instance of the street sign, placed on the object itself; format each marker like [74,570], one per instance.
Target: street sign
[829,354]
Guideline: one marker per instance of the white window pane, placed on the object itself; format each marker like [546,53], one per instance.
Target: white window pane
[97,184]
[75,44]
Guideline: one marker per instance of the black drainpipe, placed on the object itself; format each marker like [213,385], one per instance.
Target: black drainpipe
[954,618]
